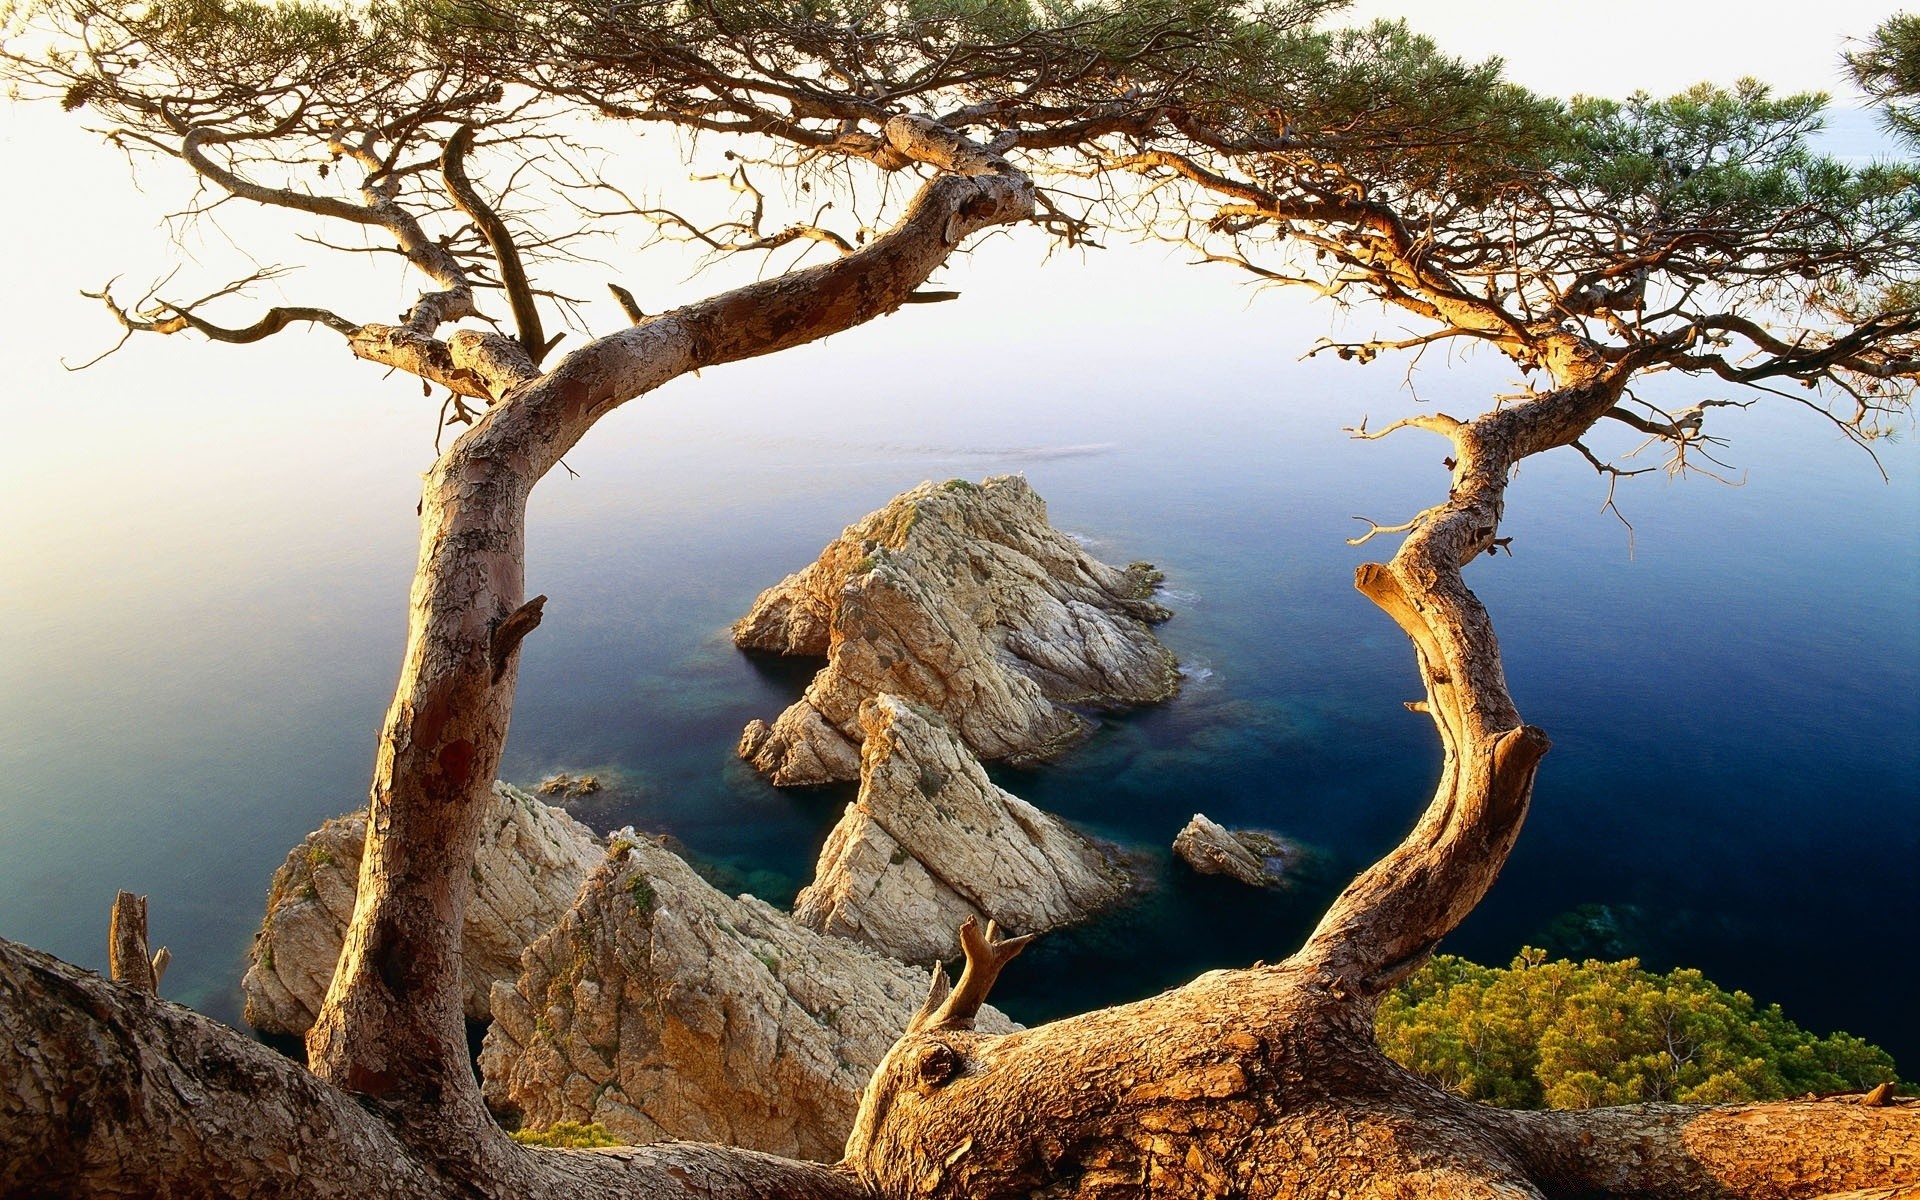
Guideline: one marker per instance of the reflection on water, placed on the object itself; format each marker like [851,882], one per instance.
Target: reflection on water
[1733,707]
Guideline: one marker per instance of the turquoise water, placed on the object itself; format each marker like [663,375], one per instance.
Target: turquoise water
[204,622]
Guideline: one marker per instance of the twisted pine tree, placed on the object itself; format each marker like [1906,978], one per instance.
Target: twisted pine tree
[1591,244]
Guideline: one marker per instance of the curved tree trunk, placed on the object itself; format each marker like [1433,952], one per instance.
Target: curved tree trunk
[391,1030]
[1269,1082]
[1262,1083]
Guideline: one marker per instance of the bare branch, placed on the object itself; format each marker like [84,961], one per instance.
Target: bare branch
[513,276]
[166,317]
[987,954]
[1439,423]
[628,304]
[1374,528]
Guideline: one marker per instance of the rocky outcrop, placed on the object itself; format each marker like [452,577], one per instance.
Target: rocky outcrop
[662,1008]
[931,841]
[529,867]
[962,598]
[1254,858]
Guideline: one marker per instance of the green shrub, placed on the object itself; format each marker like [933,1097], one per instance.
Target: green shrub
[567,1135]
[1541,1034]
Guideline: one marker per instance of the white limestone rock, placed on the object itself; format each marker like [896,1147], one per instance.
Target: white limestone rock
[1254,858]
[529,867]
[931,841]
[960,597]
[661,1008]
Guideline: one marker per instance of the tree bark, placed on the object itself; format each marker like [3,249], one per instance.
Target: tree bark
[391,1028]
[127,958]
[109,1091]
[1262,1083]
[1269,1082]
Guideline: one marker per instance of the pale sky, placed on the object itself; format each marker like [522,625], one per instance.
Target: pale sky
[1611,47]
[81,221]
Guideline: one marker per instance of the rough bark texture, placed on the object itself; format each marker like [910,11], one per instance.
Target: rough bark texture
[661,1009]
[961,598]
[930,842]
[392,1028]
[1269,1082]
[532,859]
[112,1092]
[127,959]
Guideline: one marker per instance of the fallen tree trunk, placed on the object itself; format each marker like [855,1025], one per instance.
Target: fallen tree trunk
[109,1091]
[1270,1082]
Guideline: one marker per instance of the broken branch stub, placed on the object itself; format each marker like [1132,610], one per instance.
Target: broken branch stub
[987,953]
[128,961]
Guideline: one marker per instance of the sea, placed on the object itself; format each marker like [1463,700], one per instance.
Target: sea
[208,553]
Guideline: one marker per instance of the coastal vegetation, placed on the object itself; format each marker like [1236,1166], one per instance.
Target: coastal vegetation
[1542,1033]
[1595,244]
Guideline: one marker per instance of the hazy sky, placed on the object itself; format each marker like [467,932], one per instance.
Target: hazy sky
[1608,47]
[82,220]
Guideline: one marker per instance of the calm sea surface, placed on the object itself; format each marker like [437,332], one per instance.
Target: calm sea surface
[204,619]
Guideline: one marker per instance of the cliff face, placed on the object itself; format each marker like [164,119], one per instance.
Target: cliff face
[931,841]
[530,864]
[963,599]
[662,1008]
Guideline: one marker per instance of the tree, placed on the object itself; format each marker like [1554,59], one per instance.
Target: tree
[1266,1081]
[1887,68]
[1603,243]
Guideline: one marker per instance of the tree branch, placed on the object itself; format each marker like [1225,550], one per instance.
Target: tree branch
[513,275]
[987,955]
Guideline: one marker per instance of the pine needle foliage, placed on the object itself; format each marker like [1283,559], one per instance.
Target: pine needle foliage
[1560,1034]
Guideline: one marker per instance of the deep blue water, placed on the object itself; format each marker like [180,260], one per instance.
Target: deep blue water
[196,676]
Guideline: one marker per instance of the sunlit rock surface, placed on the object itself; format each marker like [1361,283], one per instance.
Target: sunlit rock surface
[962,598]
[931,841]
[1254,858]
[529,867]
[663,1008]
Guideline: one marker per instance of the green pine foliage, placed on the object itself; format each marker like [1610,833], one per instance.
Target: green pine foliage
[1887,68]
[1540,1034]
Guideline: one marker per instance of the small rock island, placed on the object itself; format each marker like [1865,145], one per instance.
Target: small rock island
[931,841]
[1255,858]
[961,598]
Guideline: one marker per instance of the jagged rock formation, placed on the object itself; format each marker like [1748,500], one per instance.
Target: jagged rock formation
[1254,858]
[962,598]
[662,1008]
[931,841]
[528,869]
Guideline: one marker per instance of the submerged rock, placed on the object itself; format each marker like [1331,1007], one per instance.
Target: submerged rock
[662,1008]
[1254,858]
[962,598]
[931,841]
[569,787]
[531,861]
